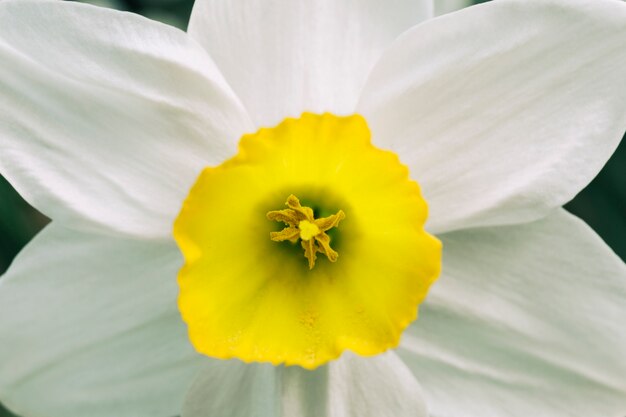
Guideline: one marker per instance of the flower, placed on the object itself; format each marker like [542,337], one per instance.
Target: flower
[501,112]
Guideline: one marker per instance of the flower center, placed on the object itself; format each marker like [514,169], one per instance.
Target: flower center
[245,296]
[301,224]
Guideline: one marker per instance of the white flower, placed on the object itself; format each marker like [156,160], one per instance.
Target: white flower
[502,112]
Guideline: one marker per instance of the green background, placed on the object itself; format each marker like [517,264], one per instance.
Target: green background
[602,204]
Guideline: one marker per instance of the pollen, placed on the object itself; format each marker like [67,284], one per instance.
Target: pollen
[302,225]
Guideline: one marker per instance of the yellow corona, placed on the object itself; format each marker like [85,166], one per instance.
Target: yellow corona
[253,287]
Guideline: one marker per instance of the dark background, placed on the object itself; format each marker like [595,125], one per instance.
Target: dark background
[602,204]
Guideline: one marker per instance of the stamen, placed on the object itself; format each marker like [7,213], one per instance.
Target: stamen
[301,224]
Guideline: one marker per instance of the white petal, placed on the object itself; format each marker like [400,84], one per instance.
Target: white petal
[525,321]
[503,111]
[89,327]
[106,118]
[286,57]
[353,386]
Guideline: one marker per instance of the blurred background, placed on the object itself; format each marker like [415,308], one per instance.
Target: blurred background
[602,204]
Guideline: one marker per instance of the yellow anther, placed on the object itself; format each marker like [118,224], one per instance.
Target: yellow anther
[302,225]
